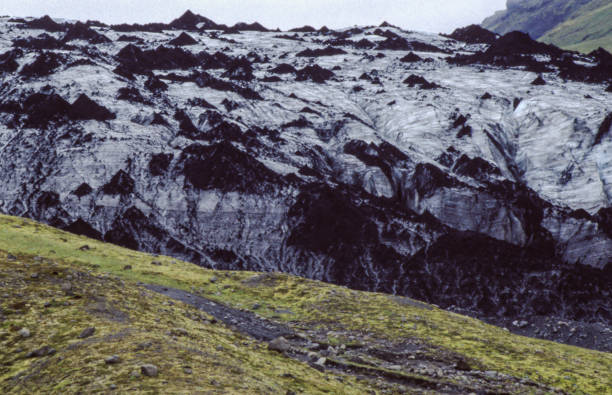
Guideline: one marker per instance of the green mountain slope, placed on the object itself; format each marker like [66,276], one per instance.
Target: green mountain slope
[582,25]
[54,285]
[584,33]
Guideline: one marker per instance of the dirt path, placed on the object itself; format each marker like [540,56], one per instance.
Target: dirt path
[408,366]
[246,322]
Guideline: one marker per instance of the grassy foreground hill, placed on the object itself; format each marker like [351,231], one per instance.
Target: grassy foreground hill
[579,25]
[78,315]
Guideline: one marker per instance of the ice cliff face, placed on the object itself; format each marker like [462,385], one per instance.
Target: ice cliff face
[473,174]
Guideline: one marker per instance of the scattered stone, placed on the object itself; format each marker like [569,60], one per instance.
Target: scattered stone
[187,370]
[149,370]
[462,365]
[112,360]
[24,333]
[280,344]
[538,81]
[34,276]
[156,263]
[180,332]
[41,352]
[319,364]
[10,257]
[520,324]
[127,267]
[213,279]
[87,332]
[85,248]
[256,306]
[66,287]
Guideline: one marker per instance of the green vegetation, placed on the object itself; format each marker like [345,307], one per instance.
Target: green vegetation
[579,25]
[584,33]
[142,327]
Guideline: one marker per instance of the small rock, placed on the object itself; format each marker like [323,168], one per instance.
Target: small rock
[180,332]
[112,360]
[66,287]
[24,333]
[520,324]
[112,387]
[85,248]
[156,263]
[321,361]
[34,276]
[187,370]
[41,352]
[256,306]
[462,365]
[313,346]
[279,344]
[213,279]
[127,267]
[11,257]
[149,370]
[87,332]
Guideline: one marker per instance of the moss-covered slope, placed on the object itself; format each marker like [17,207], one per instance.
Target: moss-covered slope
[56,285]
[581,25]
[585,32]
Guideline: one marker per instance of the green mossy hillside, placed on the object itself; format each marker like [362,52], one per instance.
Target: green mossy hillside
[194,354]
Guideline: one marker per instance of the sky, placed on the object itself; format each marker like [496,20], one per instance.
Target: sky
[421,15]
